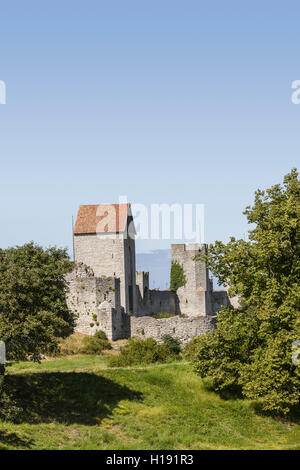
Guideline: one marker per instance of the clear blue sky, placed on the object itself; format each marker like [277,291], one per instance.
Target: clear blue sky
[163,101]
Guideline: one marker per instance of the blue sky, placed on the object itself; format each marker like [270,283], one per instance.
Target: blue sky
[162,101]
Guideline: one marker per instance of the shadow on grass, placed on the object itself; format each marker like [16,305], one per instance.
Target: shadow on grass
[292,417]
[9,439]
[235,393]
[66,398]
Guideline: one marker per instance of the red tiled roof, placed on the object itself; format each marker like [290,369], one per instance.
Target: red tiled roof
[101,218]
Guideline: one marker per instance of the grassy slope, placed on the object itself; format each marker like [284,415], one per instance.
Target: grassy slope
[79,403]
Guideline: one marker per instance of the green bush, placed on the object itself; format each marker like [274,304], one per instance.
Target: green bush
[173,344]
[139,351]
[219,356]
[94,345]
[163,315]
[100,334]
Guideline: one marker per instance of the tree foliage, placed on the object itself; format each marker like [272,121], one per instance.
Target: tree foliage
[178,278]
[251,349]
[33,310]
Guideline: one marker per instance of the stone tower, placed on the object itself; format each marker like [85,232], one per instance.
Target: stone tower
[104,239]
[195,298]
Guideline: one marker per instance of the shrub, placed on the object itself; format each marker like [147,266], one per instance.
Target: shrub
[173,344]
[100,334]
[94,345]
[163,315]
[140,351]
[81,344]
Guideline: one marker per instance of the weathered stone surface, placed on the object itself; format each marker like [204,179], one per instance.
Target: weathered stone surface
[110,255]
[182,328]
[194,299]
[95,302]
[151,301]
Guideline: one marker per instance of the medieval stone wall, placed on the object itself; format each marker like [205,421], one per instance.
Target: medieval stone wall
[194,298]
[95,302]
[130,275]
[151,301]
[142,282]
[182,328]
[96,294]
[219,299]
[109,255]
[156,301]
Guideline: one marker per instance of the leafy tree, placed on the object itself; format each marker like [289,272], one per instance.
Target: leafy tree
[251,349]
[178,278]
[33,310]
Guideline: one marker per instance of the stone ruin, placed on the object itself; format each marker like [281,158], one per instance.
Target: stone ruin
[106,293]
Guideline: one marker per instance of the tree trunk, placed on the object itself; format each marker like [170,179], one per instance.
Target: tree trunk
[2,372]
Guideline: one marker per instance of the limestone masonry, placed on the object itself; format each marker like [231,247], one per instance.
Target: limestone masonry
[106,293]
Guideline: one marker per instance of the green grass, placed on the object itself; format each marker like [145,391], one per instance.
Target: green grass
[163,315]
[76,363]
[80,403]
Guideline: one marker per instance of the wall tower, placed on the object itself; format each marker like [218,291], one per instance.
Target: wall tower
[104,239]
[195,298]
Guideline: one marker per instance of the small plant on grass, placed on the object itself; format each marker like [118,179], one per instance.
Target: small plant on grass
[100,334]
[142,351]
[95,344]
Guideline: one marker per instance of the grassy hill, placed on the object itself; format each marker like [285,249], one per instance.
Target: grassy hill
[79,403]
